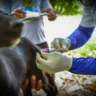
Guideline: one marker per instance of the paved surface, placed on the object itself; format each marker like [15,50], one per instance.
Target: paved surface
[61,27]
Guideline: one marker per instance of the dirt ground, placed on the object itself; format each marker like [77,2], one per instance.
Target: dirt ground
[75,85]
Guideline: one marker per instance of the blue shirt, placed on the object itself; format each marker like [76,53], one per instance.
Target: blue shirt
[79,37]
[34,30]
[31,5]
[9,6]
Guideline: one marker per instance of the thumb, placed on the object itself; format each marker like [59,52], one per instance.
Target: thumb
[64,49]
[39,59]
[44,55]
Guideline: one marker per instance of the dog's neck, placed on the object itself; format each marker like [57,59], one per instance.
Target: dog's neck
[27,50]
[24,50]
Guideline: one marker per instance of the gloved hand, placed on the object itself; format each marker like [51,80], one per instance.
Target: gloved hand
[61,44]
[53,62]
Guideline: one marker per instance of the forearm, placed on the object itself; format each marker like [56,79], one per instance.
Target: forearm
[80,36]
[86,66]
[16,4]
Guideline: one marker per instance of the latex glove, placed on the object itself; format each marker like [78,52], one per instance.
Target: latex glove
[61,44]
[53,62]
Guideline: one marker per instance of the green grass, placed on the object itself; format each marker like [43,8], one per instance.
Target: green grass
[88,50]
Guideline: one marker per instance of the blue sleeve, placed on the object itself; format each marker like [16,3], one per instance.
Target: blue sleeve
[45,4]
[80,36]
[86,66]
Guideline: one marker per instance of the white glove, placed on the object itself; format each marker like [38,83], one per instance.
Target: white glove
[61,44]
[53,62]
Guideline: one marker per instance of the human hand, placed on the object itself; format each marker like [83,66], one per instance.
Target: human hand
[51,14]
[61,44]
[35,86]
[53,62]
[19,14]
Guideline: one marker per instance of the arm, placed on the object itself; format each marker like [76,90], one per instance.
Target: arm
[56,62]
[16,4]
[80,36]
[45,4]
[46,7]
[83,33]
[85,66]
[5,7]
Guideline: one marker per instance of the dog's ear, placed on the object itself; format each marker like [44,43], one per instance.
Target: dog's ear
[10,30]
[15,28]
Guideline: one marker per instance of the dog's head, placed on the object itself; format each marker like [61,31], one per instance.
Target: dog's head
[10,30]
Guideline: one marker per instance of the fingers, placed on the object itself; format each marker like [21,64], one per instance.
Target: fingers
[33,82]
[40,59]
[44,64]
[39,85]
[52,15]
[19,14]
[45,67]
[41,63]
[56,44]
[44,55]
[26,82]
[21,11]
[63,46]
[60,45]
[63,49]
[51,12]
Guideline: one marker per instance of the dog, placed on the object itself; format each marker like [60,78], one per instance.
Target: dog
[19,61]
[15,64]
